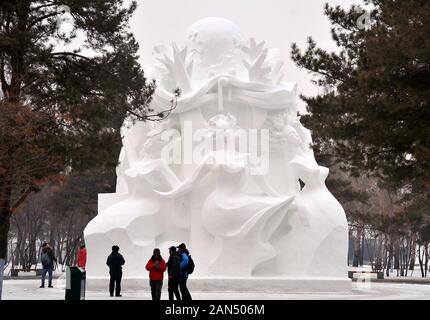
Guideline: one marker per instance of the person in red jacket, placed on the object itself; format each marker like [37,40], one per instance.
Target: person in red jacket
[156,267]
[82,257]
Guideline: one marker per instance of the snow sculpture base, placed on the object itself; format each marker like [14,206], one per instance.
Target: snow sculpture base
[240,285]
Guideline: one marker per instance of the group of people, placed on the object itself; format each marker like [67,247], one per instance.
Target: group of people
[178,267]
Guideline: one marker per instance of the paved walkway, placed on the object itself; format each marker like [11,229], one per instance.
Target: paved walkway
[29,290]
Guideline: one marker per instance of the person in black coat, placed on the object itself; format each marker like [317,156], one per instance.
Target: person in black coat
[115,261]
[174,272]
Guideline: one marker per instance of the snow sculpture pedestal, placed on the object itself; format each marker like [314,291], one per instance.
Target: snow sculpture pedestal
[274,285]
[230,172]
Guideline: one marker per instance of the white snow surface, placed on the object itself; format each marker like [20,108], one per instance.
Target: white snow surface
[29,290]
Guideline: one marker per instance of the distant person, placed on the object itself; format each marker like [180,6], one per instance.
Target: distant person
[174,272]
[156,267]
[82,257]
[47,258]
[184,255]
[115,261]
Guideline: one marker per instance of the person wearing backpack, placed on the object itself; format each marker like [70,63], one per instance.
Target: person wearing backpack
[115,261]
[185,263]
[174,272]
[47,259]
[156,267]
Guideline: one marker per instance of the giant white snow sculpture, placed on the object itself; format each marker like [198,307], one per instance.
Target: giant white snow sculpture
[241,211]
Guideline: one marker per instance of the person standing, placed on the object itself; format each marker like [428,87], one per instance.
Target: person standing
[174,272]
[82,257]
[184,254]
[47,258]
[156,267]
[115,261]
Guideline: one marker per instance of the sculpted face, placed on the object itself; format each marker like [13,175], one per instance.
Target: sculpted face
[215,43]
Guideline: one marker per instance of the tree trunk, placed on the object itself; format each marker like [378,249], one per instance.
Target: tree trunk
[4,231]
[420,260]
[396,257]
[379,264]
[362,249]
[410,256]
[390,258]
[426,259]
[413,261]
[2,263]
[357,249]
[52,236]
[413,255]
[401,261]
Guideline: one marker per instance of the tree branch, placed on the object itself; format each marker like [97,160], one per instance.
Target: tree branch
[65,53]
[44,6]
[4,84]
[34,22]
[22,198]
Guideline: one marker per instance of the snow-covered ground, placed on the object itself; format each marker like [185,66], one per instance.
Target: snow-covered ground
[29,290]
[412,274]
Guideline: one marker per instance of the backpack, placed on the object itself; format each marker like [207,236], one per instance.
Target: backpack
[191,265]
[45,259]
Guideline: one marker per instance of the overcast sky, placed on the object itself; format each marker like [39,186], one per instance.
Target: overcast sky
[278,22]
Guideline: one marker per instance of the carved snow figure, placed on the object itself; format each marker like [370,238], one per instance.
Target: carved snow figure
[234,218]
[241,211]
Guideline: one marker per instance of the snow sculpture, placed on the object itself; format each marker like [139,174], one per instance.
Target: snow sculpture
[241,210]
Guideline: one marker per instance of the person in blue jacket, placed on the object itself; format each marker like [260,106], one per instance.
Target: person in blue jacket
[184,253]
